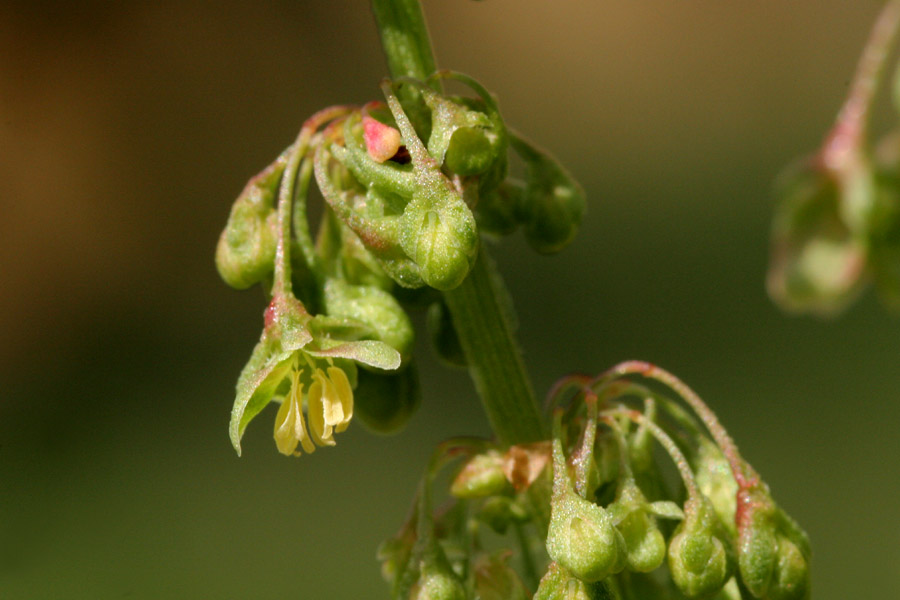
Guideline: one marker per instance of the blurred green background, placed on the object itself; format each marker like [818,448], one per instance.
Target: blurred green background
[126,129]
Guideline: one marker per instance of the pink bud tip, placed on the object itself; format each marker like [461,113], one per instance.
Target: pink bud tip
[382,141]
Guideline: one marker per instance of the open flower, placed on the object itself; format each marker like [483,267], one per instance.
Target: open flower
[298,351]
[329,405]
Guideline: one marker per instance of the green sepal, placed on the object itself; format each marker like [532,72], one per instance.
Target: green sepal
[245,253]
[374,307]
[385,402]
[553,204]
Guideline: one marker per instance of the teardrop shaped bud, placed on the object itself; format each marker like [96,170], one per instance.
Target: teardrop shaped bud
[644,542]
[773,553]
[553,204]
[245,254]
[698,555]
[437,582]
[559,584]
[385,402]
[582,537]
[481,476]
[817,262]
[438,232]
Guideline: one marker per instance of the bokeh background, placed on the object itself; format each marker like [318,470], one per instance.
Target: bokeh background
[127,128]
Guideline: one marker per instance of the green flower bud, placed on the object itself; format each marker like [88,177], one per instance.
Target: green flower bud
[444,339]
[245,253]
[559,584]
[773,553]
[437,582]
[438,232]
[698,553]
[496,580]
[818,259]
[644,542]
[553,204]
[385,402]
[715,481]
[481,476]
[582,537]
[374,307]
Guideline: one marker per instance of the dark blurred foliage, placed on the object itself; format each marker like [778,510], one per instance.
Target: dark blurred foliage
[127,128]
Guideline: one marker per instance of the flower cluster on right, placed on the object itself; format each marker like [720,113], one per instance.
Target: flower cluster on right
[596,510]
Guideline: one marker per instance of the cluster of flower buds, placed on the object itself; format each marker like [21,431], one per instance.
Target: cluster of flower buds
[400,213]
[599,500]
[837,225]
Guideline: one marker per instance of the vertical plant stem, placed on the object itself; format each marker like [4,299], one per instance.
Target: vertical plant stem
[478,305]
[480,315]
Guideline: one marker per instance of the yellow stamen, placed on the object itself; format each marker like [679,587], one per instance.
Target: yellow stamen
[344,395]
[319,425]
[289,425]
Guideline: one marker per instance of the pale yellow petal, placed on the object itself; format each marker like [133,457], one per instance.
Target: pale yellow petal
[345,395]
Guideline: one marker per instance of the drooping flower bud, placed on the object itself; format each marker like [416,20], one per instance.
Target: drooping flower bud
[773,553]
[437,582]
[553,203]
[481,476]
[699,558]
[582,537]
[818,259]
[644,542]
[559,584]
[245,254]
